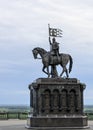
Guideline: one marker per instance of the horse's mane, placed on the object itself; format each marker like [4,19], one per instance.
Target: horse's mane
[41,49]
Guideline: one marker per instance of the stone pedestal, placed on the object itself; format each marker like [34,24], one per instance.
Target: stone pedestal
[57,103]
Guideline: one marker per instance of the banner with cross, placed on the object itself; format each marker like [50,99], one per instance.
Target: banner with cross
[55,32]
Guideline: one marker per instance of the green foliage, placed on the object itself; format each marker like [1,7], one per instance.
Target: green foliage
[21,112]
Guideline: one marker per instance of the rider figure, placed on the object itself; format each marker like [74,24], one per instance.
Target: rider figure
[54,47]
[54,50]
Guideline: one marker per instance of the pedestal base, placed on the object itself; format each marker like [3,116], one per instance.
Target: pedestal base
[57,103]
[68,122]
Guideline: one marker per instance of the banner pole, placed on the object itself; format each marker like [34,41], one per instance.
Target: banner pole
[48,29]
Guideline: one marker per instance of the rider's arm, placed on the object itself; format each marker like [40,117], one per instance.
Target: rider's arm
[50,41]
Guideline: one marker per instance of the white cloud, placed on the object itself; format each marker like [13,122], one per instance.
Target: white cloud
[24,25]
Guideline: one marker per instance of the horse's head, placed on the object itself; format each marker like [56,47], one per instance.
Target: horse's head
[35,53]
[39,51]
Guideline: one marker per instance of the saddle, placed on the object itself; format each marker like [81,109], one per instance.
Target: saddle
[54,59]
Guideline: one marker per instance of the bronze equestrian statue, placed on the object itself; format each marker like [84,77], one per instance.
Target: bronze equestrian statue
[53,57]
[49,60]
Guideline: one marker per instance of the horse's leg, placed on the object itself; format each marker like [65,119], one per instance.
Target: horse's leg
[64,70]
[43,69]
[48,71]
[62,73]
[67,73]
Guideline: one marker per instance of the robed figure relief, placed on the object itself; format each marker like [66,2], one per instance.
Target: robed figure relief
[53,57]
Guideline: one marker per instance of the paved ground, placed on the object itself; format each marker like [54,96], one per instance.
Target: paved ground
[20,125]
[14,124]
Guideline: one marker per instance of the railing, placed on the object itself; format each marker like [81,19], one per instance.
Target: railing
[13,115]
[24,115]
[89,115]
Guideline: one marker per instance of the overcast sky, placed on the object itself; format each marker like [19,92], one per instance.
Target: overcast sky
[24,26]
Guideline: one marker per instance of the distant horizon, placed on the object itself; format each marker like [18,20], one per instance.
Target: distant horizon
[29,105]
[14,105]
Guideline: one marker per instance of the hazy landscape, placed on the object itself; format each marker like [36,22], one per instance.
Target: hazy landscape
[22,111]
[25,108]
[14,108]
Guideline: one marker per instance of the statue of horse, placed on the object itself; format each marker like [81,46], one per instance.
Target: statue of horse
[50,60]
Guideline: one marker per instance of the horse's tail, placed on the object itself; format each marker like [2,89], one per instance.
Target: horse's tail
[71,63]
